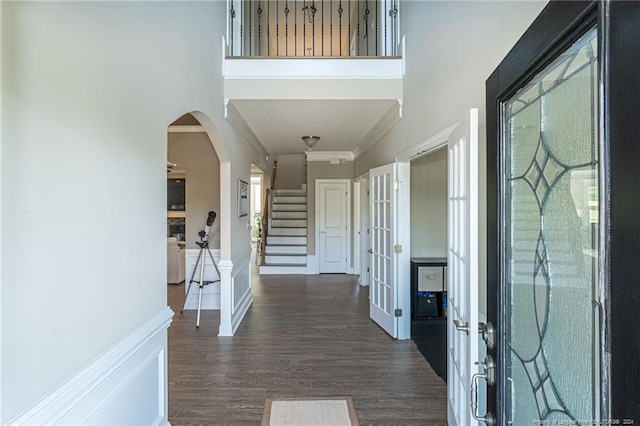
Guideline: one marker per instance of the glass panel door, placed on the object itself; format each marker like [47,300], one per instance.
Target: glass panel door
[549,219]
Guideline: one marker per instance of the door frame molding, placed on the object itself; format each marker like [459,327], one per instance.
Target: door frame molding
[364,236]
[349,269]
[618,38]
[357,227]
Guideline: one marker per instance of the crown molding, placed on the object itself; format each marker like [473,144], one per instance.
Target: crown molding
[388,120]
[433,143]
[240,125]
[329,155]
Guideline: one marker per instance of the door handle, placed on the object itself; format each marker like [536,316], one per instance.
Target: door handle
[488,418]
[323,232]
[370,251]
[489,375]
[460,326]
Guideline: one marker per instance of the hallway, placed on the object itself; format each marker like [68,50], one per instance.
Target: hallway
[303,336]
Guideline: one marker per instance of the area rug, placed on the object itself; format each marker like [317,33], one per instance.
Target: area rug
[324,411]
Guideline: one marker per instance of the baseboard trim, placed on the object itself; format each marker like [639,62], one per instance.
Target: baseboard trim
[90,393]
[312,265]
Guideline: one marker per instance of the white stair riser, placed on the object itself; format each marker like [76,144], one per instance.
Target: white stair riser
[286,249]
[290,200]
[283,270]
[289,215]
[285,260]
[290,192]
[299,232]
[288,223]
[286,240]
[289,208]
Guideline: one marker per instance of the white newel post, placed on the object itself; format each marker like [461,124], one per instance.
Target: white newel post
[226,298]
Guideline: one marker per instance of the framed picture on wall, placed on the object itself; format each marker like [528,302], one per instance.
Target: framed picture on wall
[243,198]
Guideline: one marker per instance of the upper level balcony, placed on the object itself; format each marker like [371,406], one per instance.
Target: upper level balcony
[295,67]
[352,48]
[313,28]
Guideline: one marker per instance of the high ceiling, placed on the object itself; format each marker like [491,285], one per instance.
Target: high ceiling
[341,124]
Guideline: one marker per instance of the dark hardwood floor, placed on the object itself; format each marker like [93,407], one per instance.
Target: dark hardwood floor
[303,336]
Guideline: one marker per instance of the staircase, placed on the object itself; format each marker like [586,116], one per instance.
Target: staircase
[286,247]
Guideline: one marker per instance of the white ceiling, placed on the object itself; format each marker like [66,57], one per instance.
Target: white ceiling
[341,124]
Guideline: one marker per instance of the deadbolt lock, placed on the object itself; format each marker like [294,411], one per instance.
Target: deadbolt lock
[488,332]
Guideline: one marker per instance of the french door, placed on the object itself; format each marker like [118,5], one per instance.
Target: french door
[559,234]
[389,207]
[383,290]
[463,267]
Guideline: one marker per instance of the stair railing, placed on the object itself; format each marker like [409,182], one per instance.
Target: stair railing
[267,211]
[333,28]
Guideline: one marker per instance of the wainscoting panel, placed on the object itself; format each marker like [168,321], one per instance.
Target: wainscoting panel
[211,292]
[125,385]
[240,289]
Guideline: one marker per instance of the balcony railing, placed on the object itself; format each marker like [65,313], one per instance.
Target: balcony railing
[316,28]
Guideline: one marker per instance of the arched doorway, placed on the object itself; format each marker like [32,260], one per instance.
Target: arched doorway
[197,157]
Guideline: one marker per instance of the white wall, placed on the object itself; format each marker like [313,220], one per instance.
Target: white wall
[89,89]
[429,205]
[451,49]
[194,153]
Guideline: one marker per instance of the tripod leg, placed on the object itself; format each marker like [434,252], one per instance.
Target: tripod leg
[201,285]
[193,274]
[199,304]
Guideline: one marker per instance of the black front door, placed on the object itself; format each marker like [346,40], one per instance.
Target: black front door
[563,218]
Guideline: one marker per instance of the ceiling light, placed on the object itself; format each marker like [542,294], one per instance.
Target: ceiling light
[310,141]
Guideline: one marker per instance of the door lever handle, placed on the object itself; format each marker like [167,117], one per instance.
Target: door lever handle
[488,418]
[489,375]
[460,326]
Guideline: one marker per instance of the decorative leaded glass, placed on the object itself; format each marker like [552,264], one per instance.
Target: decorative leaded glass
[550,224]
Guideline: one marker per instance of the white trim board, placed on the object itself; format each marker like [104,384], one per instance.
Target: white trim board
[238,122]
[433,143]
[384,68]
[235,297]
[388,120]
[126,384]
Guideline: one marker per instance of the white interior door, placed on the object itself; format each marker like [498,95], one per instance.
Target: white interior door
[463,270]
[382,229]
[332,214]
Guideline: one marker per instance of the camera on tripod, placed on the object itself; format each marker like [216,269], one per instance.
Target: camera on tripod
[204,246]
